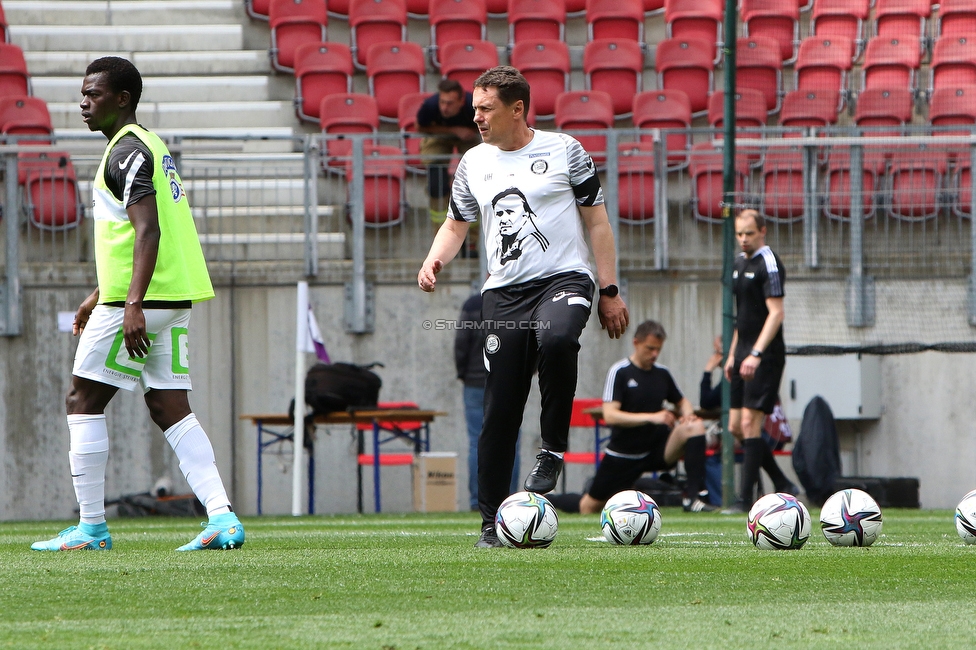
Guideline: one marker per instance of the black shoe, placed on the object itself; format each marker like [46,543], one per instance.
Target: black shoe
[488,539]
[543,476]
[697,505]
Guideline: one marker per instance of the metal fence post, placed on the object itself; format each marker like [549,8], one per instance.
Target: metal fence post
[10,314]
[972,237]
[311,159]
[358,303]
[811,214]
[660,201]
[860,293]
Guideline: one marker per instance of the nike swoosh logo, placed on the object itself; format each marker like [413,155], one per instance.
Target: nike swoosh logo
[206,540]
[125,163]
[74,547]
[560,296]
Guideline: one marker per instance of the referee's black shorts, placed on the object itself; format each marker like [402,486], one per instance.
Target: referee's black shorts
[762,392]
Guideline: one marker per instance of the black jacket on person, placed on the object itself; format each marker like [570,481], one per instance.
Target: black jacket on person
[469,343]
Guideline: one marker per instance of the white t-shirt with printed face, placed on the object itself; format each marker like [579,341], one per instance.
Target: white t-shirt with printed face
[527,203]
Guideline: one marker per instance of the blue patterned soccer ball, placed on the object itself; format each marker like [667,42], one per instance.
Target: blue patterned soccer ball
[526,520]
[631,518]
[966,518]
[850,518]
[778,522]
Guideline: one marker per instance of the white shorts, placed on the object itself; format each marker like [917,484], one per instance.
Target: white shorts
[102,357]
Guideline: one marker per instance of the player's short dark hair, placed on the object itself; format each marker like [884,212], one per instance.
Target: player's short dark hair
[755,214]
[650,328]
[450,86]
[509,82]
[120,75]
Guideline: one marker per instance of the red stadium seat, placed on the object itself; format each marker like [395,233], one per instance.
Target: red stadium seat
[758,66]
[456,20]
[257,9]
[14,79]
[776,20]
[781,193]
[653,7]
[586,110]
[750,112]
[665,109]
[418,9]
[914,184]
[375,21]
[394,70]
[546,66]
[695,19]
[953,62]
[615,66]
[806,108]
[706,171]
[497,8]
[320,69]
[902,18]
[52,198]
[293,23]
[962,187]
[951,107]
[535,20]
[890,63]
[635,191]
[844,18]
[837,184]
[956,18]
[339,8]
[4,27]
[466,60]
[877,107]
[383,186]
[823,64]
[348,113]
[617,19]
[21,117]
[407,121]
[688,66]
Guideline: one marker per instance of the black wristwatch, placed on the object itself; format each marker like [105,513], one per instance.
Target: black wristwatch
[756,353]
[610,291]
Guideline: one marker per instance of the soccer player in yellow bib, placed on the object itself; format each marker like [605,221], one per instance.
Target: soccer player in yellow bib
[133,327]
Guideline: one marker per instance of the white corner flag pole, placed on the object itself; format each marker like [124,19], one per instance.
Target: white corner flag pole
[298,471]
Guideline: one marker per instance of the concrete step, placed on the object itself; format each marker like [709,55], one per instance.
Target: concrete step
[191,116]
[271,246]
[232,62]
[128,38]
[167,89]
[128,12]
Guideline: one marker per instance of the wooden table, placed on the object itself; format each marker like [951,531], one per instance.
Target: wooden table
[412,425]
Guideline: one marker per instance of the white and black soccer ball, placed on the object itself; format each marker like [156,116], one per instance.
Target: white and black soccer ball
[778,522]
[850,518]
[526,520]
[631,518]
[966,518]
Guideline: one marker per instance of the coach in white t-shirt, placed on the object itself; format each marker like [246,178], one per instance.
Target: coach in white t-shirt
[534,192]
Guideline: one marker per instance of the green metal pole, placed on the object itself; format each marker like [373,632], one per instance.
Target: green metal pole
[728,242]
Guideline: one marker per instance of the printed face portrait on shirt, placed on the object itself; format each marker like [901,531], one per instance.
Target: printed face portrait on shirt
[515,224]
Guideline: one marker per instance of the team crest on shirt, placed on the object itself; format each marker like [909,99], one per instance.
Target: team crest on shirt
[492,344]
[539,166]
[632,383]
[175,188]
[517,227]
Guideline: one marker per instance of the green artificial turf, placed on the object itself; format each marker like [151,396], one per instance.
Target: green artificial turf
[416,581]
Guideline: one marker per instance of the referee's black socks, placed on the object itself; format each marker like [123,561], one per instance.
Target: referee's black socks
[754,450]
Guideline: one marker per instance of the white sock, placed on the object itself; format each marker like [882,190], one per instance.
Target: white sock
[87,457]
[196,455]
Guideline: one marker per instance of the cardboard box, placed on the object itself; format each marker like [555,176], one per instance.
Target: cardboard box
[435,481]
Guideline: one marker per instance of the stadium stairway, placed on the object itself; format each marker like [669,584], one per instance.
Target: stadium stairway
[206,74]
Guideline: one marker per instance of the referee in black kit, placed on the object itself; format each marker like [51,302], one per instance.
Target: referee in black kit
[535,193]
[757,355]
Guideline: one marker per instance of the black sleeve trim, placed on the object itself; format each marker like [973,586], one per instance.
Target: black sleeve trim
[588,191]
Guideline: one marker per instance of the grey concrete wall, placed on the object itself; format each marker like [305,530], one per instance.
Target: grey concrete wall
[242,357]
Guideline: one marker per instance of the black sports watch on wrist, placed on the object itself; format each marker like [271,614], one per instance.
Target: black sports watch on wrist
[610,291]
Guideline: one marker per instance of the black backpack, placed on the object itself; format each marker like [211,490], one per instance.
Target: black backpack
[816,453]
[341,386]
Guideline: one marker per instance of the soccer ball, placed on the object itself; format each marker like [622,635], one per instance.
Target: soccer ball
[851,518]
[778,522]
[630,518]
[966,518]
[526,520]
